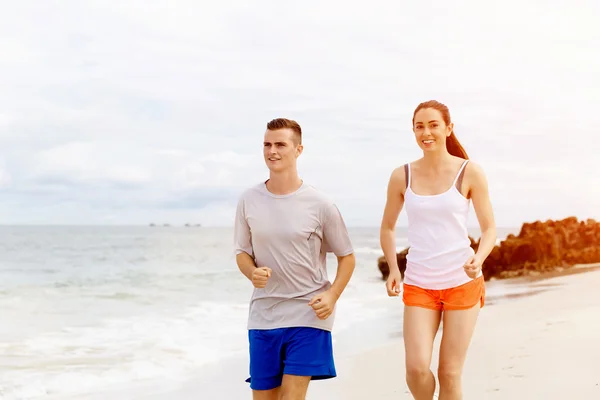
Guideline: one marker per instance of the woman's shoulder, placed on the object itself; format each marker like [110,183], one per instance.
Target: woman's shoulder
[402,169]
[474,172]
[473,166]
[400,174]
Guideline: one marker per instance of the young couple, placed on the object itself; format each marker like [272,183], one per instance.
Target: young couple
[284,228]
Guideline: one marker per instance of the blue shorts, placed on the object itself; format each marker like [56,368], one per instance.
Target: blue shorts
[291,351]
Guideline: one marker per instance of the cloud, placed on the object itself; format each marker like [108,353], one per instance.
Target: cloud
[5,179]
[137,112]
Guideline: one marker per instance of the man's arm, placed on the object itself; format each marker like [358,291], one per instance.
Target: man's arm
[336,240]
[246,264]
[344,272]
[242,237]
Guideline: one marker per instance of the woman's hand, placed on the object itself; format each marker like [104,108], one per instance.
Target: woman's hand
[473,266]
[393,283]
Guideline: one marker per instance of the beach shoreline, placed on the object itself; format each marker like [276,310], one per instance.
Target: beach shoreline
[537,343]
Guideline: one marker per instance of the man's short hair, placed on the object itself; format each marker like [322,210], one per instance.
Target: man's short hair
[283,123]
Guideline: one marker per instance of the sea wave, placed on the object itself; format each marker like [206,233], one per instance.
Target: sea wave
[82,358]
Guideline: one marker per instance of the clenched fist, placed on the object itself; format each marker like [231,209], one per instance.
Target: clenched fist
[323,304]
[260,277]
[473,266]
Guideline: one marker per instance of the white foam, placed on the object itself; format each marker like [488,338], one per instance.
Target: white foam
[81,359]
[368,250]
[375,251]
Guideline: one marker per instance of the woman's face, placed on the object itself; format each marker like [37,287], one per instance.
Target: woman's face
[430,129]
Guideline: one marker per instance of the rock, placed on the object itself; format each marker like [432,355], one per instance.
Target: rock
[384,267]
[539,247]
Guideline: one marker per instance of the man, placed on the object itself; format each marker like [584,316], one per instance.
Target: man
[283,230]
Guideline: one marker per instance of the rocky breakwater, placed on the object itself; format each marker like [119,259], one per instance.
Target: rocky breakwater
[539,247]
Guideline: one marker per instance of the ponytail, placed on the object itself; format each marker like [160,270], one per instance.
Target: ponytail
[454,147]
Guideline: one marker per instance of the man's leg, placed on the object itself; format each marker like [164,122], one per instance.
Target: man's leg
[420,327]
[459,326]
[273,394]
[308,356]
[266,363]
[294,387]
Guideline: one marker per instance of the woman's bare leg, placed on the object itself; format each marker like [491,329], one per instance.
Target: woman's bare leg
[420,327]
[458,329]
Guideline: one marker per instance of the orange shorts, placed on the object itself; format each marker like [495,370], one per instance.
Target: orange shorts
[458,298]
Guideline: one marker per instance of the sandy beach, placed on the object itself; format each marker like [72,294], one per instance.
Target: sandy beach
[541,346]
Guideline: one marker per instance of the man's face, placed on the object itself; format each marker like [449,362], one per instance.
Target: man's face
[281,149]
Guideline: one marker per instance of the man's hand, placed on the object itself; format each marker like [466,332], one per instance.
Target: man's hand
[473,266]
[393,283]
[260,277]
[323,304]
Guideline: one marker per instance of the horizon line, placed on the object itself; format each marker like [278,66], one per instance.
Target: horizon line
[193,225]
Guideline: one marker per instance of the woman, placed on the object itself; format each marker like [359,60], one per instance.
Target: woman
[443,277]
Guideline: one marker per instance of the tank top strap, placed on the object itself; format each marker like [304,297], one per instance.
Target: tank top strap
[459,176]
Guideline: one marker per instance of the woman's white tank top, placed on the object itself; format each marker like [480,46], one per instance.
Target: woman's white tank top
[437,236]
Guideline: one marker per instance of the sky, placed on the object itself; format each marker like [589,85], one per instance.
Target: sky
[138,112]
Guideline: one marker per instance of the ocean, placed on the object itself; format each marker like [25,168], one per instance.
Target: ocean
[84,309]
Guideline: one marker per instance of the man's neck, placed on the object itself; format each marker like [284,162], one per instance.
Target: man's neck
[283,182]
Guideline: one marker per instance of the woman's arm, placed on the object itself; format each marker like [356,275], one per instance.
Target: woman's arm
[387,233]
[483,209]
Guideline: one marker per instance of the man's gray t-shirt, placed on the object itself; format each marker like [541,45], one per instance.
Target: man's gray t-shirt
[290,234]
